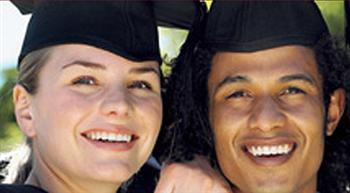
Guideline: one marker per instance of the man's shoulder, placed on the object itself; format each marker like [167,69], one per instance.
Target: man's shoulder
[14,188]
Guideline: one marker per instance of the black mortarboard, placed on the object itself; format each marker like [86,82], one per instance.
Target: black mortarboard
[178,14]
[246,26]
[126,28]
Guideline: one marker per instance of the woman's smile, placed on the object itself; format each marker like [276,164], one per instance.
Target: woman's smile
[118,139]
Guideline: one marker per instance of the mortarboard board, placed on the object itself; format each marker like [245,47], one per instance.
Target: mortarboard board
[123,27]
[176,14]
[246,26]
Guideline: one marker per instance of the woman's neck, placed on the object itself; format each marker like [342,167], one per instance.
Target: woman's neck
[55,182]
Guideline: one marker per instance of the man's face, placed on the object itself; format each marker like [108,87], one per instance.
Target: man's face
[267,114]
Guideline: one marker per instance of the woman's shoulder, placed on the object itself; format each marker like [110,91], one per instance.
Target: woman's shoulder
[12,188]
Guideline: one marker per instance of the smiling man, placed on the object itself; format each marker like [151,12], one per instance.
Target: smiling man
[269,129]
[266,95]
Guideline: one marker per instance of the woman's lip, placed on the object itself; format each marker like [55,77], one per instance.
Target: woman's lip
[90,136]
[115,146]
[116,130]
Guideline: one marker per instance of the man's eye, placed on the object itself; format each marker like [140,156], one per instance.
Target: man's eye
[238,94]
[140,85]
[292,91]
[85,80]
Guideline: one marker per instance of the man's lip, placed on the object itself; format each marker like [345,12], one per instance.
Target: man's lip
[267,141]
[269,160]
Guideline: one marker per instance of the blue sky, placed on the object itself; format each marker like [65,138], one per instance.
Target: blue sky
[12,29]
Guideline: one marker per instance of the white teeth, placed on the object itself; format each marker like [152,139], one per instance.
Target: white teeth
[111,137]
[269,150]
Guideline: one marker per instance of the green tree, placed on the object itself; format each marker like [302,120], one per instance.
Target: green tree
[170,40]
[9,132]
[334,14]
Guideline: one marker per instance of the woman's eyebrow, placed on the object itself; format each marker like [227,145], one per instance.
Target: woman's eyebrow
[146,69]
[84,64]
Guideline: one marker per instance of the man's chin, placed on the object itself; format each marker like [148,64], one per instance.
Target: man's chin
[266,189]
[267,185]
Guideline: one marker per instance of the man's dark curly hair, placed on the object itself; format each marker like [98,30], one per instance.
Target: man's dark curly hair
[187,130]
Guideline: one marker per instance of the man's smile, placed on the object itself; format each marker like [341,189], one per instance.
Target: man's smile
[269,151]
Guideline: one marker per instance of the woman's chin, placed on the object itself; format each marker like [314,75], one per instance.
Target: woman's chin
[117,173]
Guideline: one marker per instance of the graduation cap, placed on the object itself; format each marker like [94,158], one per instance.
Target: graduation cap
[126,28]
[175,14]
[247,26]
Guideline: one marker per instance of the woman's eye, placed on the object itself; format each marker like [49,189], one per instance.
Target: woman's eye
[292,91]
[140,85]
[238,94]
[85,80]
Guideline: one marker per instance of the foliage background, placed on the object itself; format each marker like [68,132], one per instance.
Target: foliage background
[170,39]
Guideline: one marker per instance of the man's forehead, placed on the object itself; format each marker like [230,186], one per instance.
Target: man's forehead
[275,63]
[291,48]
[284,56]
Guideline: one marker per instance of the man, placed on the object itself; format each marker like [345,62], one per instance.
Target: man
[262,96]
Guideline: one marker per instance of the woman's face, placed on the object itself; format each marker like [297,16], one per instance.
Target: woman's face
[96,115]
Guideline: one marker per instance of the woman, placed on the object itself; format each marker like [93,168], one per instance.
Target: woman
[88,96]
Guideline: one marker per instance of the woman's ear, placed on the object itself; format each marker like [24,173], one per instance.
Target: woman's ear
[335,110]
[23,110]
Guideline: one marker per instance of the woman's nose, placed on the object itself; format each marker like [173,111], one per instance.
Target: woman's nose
[116,103]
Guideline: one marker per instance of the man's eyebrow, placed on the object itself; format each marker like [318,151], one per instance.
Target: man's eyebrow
[231,79]
[145,69]
[301,77]
[85,64]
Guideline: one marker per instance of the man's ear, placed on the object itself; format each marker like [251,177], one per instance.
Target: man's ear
[23,110]
[335,110]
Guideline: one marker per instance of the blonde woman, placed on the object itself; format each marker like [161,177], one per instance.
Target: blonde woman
[88,96]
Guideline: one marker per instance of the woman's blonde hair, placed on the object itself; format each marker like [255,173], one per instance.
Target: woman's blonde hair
[28,76]
[30,67]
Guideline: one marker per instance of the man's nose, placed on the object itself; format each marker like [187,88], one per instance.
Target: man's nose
[267,115]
